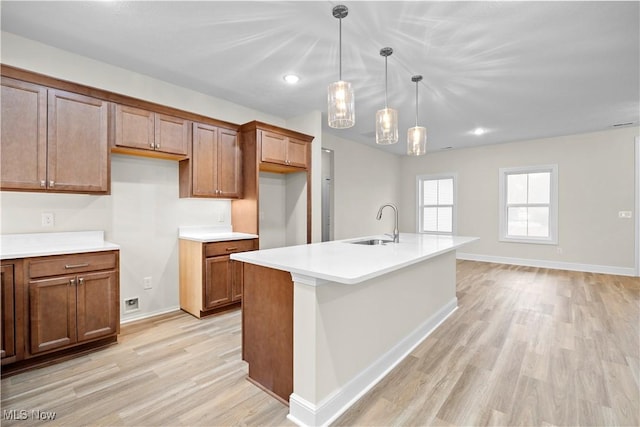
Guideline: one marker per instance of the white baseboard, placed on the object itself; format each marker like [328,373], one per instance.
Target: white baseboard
[147,315]
[305,413]
[557,265]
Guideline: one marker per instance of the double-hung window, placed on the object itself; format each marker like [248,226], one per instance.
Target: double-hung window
[529,204]
[436,204]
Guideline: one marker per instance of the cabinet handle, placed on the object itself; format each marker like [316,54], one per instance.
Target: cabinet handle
[152,145]
[231,249]
[81,281]
[157,145]
[43,183]
[72,282]
[69,266]
[51,183]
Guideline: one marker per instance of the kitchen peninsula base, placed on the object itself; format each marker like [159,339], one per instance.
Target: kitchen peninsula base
[319,343]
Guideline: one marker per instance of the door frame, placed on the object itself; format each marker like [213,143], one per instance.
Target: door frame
[637,210]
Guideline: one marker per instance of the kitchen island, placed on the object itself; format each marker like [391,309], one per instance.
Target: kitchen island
[322,323]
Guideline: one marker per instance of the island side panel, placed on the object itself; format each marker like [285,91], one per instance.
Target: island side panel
[360,331]
[267,328]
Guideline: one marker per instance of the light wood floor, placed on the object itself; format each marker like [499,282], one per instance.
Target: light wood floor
[527,346]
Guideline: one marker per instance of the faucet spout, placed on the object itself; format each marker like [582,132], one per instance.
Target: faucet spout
[396,234]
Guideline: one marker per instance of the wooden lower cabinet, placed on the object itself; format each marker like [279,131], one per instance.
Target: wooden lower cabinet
[56,306]
[267,329]
[86,309]
[7,313]
[210,281]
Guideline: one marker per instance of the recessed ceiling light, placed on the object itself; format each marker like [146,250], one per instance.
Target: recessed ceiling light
[291,79]
[479,131]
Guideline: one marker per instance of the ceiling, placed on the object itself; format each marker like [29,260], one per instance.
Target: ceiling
[520,70]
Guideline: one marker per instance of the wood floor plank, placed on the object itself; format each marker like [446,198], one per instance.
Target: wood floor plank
[527,346]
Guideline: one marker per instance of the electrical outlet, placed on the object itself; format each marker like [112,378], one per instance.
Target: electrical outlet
[559,250]
[131,304]
[147,282]
[47,219]
[624,214]
[221,216]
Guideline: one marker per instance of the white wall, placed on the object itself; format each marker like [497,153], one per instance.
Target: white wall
[595,178]
[144,211]
[311,124]
[364,179]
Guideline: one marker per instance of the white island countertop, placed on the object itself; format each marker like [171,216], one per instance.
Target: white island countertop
[344,262]
[43,244]
[212,233]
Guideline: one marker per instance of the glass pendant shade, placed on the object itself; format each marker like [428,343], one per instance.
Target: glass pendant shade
[417,141]
[417,135]
[387,118]
[386,126]
[341,105]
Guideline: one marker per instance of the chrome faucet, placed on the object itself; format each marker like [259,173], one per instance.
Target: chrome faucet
[396,235]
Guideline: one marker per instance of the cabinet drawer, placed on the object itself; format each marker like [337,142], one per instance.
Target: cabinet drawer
[229,247]
[70,264]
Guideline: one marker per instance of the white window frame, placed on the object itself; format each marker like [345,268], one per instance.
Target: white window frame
[553,205]
[419,203]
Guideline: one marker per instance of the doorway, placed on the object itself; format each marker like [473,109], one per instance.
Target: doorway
[327,195]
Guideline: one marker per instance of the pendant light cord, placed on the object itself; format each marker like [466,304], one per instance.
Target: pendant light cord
[416,104]
[385,82]
[340,48]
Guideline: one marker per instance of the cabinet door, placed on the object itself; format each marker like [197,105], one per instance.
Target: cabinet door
[217,290]
[237,280]
[229,172]
[297,153]
[98,312]
[7,312]
[77,146]
[172,134]
[23,135]
[134,128]
[274,147]
[205,159]
[52,313]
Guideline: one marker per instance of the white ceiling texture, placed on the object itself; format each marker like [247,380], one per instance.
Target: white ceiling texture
[520,70]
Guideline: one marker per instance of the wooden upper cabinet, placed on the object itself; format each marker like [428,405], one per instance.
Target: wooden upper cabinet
[214,169]
[134,128]
[77,149]
[229,164]
[23,138]
[297,153]
[283,150]
[53,140]
[172,134]
[274,148]
[145,130]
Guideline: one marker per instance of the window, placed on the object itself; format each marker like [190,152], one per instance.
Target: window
[529,204]
[436,204]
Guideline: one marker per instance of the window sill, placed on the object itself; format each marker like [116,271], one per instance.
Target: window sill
[541,241]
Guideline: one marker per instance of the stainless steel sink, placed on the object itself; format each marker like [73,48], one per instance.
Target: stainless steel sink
[372,242]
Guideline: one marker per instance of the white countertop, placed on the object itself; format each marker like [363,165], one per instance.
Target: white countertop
[343,262]
[42,244]
[212,233]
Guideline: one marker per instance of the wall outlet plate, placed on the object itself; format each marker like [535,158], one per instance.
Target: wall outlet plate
[624,214]
[148,282]
[131,304]
[47,219]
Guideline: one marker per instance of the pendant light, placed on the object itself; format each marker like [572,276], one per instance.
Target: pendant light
[416,136]
[340,98]
[387,118]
